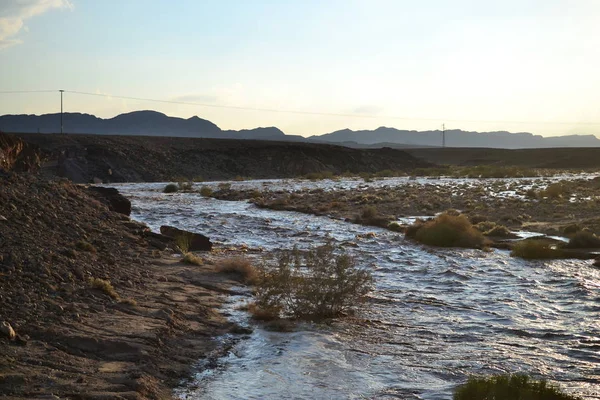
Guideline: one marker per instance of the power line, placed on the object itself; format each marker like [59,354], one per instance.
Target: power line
[300,112]
[27,91]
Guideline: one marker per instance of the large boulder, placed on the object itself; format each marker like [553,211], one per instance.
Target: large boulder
[112,198]
[196,241]
[18,155]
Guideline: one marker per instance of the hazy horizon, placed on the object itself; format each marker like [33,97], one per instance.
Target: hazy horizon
[517,66]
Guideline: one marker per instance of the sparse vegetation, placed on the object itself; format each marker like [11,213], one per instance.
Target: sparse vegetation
[314,176]
[555,190]
[104,286]
[583,240]
[183,242]
[509,387]
[206,191]
[536,249]
[85,246]
[241,268]
[191,258]
[312,284]
[171,188]
[500,231]
[447,231]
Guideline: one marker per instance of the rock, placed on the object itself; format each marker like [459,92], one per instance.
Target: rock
[97,180]
[7,330]
[197,241]
[3,218]
[597,262]
[112,198]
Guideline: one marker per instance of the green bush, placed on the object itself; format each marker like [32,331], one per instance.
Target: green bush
[314,284]
[509,387]
[447,231]
[171,188]
[536,249]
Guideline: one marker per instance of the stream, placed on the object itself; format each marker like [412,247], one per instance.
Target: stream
[435,317]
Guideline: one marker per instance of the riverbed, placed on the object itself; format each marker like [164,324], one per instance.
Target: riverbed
[435,317]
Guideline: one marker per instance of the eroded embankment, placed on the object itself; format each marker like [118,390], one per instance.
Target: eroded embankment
[98,312]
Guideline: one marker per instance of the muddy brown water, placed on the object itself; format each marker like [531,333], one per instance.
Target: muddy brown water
[436,316]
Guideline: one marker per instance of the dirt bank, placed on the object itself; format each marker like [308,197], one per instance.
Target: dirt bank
[98,312]
[82,158]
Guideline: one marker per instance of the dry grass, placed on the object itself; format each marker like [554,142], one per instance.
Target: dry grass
[129,301]
[262,314]
[104,286]
[500,231]
[191,258]
[240,268]
[85,246]
[447,231]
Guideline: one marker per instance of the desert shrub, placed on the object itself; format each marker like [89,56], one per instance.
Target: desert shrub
[191,258]
[198,178]
[129,301]
[555,190]
[531,194]
[206,191]
[184,241]
[224,186]
[447,231]
[241,268]
[313,284]
[395,226]
[571,229]
[85,246]
[104,286]
[477,218]
[368,213]
[485,226]
[171,188]
[536,249]
[185,185]
[584,240]
[500,231]
[509,387]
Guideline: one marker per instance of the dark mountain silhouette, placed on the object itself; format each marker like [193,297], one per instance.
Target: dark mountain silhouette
[455,138]
[152,123]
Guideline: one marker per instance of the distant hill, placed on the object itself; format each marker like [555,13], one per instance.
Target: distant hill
[152,123]
[455,138]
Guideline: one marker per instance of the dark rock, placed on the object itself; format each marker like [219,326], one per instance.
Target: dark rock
[597,262]
[197,241]
[21,340]
[112,198]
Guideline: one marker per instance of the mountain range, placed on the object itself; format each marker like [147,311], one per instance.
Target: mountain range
[152,123]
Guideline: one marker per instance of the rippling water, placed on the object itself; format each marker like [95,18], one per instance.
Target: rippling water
[436,316]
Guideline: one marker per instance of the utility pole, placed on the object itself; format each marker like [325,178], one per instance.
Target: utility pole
[61,111]
[443,135]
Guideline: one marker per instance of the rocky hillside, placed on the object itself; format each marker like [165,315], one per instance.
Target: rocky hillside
[82,158]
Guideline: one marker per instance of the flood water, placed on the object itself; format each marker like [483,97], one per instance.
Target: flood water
[435,317]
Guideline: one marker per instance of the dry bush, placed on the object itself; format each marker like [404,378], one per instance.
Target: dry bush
[583,240]
[206,191]
[313,284]
[556,190]
[500,231]
[241,268]
[191,258]
[104,286]
[184,241]
[447,231]
[485,226]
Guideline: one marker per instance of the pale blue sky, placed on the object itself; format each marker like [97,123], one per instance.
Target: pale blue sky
[511,64]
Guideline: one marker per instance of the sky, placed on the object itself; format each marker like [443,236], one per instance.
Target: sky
[515,65]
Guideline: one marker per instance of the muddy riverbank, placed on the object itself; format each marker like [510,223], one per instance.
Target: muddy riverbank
[97,310]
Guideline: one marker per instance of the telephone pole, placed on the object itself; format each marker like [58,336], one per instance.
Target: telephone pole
[443,135]
[61,111]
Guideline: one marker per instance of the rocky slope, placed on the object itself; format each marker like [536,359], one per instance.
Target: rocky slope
[90,309]
[82,158]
